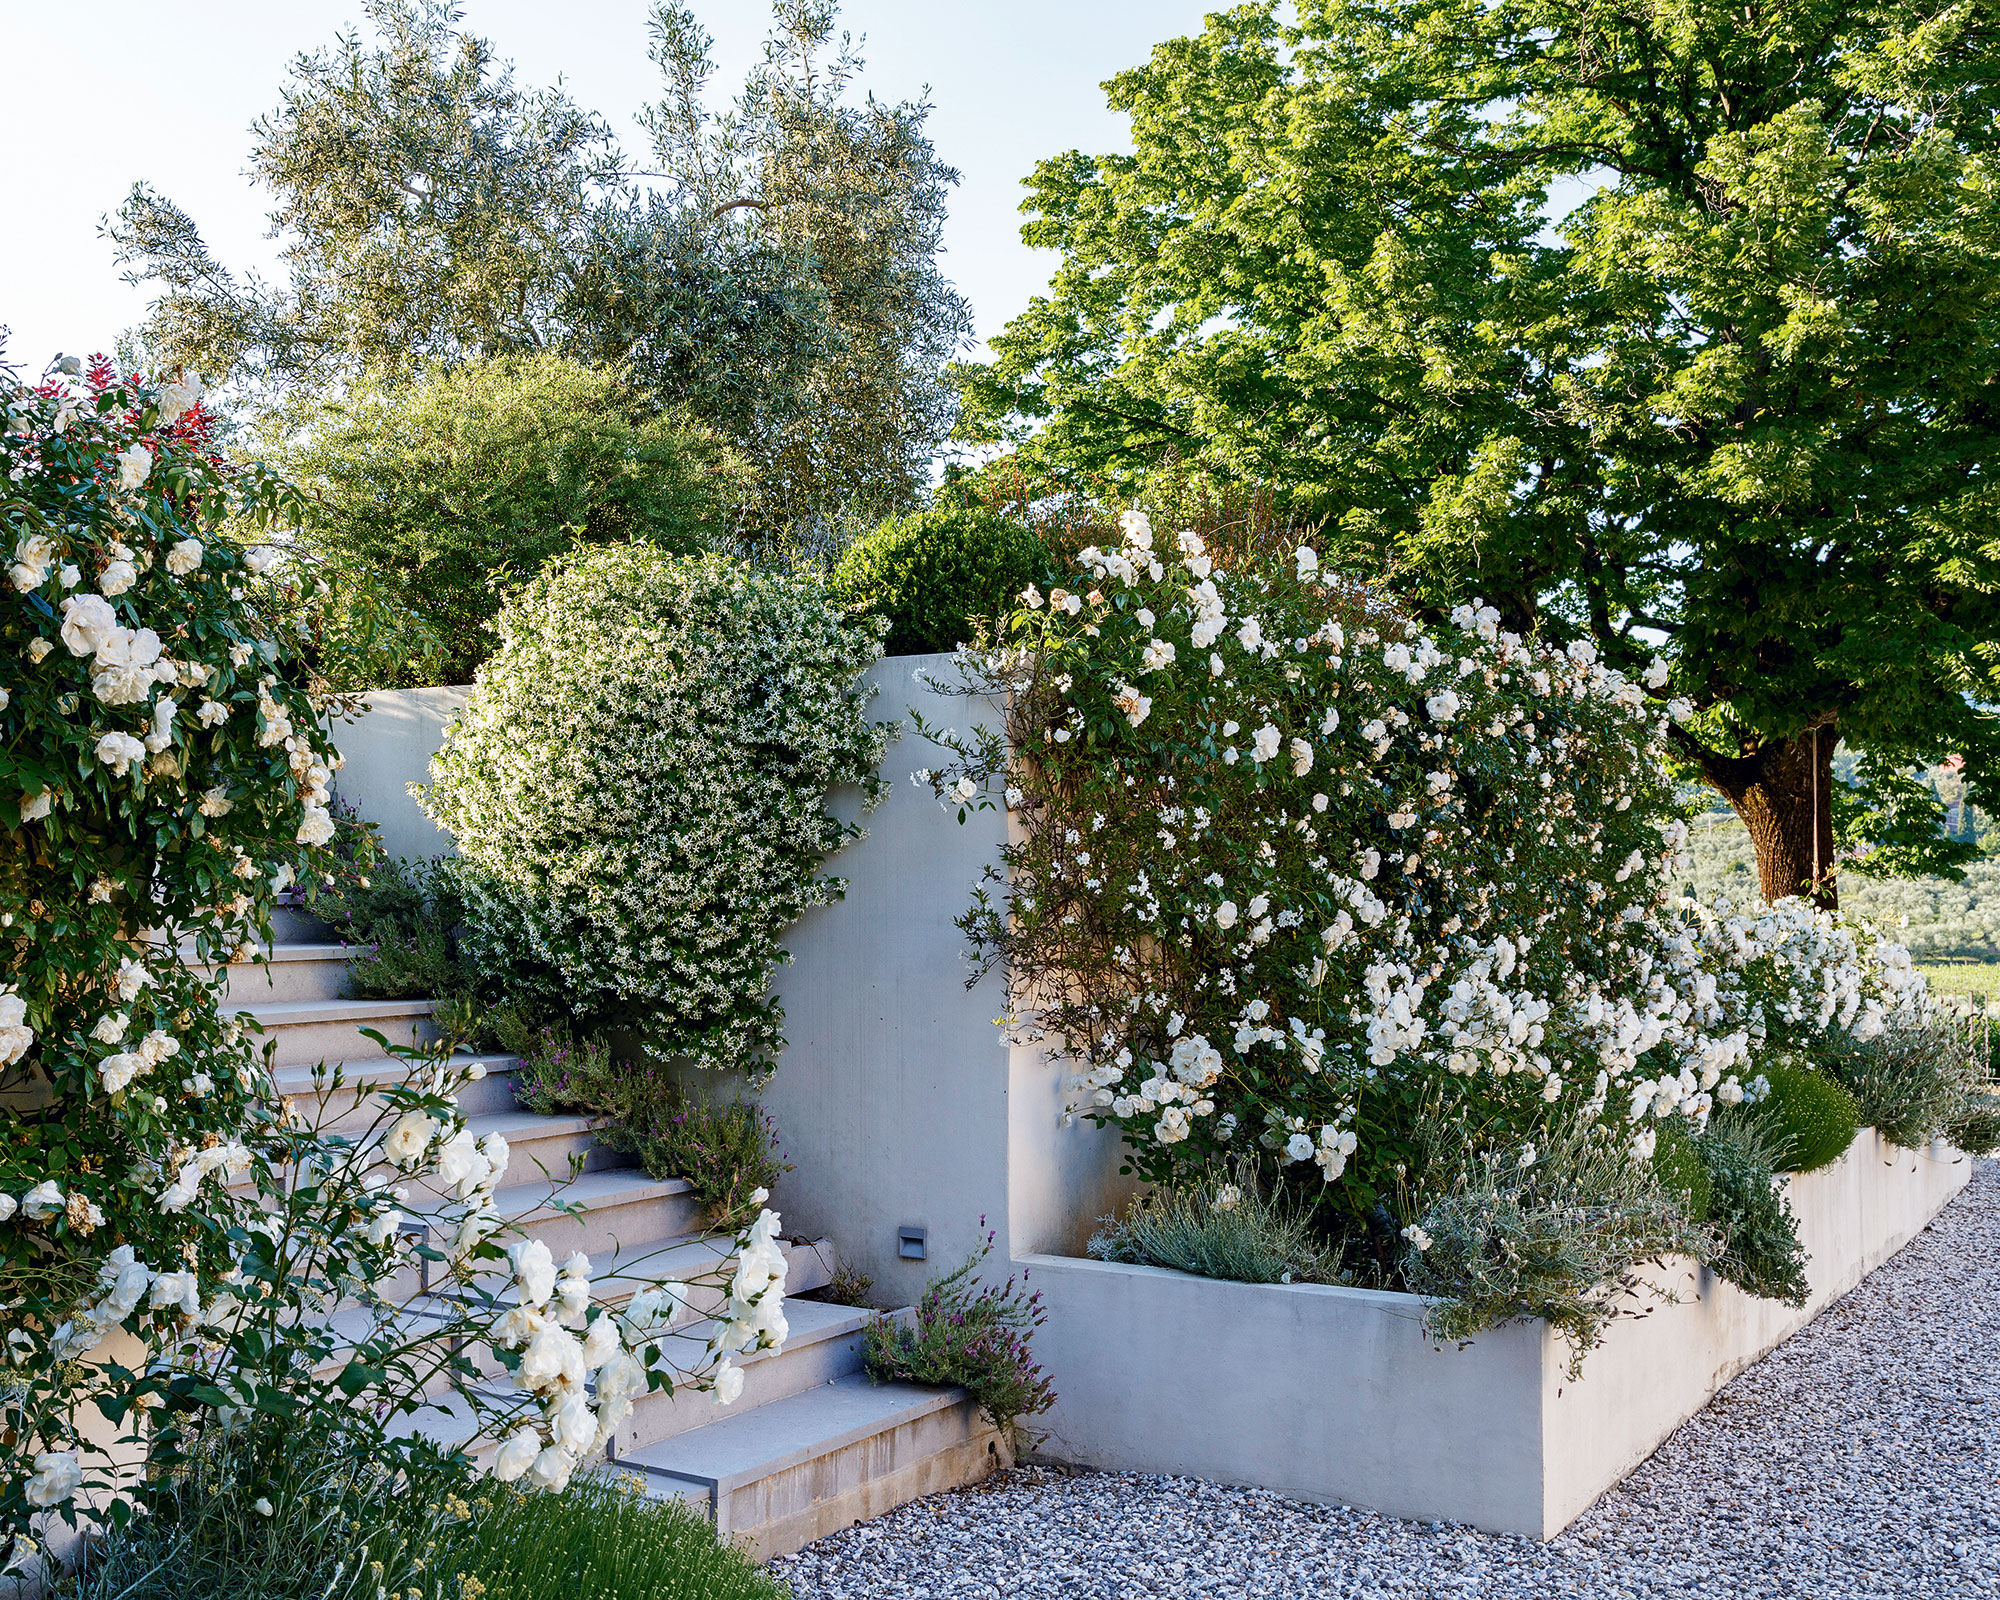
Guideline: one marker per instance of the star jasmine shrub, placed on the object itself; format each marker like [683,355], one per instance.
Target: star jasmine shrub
[637,790]
[1292,876]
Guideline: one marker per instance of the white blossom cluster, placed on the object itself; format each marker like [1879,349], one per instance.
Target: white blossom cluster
[638,787]
[1293,867]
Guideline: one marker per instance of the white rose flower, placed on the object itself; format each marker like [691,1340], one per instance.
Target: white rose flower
[118,751]
[1225,914]
[1264,743]
[56,1477]
[552,1469]
[516,1455]
[728,1382]
[409,1139]
[184,557]
[133,466]
[33,557]
[118,576]
[87,619]
[44,1200]
[1251,634]
[1302,759]
[534,1270]
[175,400]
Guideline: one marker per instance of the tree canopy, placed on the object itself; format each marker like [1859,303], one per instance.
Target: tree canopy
[451,490]
[1667,324]
[775,274]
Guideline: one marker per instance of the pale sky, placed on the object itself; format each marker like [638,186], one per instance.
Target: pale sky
[102,94]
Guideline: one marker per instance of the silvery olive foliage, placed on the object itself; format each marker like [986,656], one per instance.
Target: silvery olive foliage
[638,791]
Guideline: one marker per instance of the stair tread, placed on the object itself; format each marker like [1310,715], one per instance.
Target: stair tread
[676,1256]
[519,1125]
[740,1448]
[276,953]
[380,1069]
[283,1012]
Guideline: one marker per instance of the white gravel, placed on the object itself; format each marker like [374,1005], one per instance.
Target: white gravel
[1860,1458]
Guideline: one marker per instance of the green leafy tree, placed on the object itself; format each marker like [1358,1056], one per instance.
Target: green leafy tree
[456,487]
[776,275]
[1670,324]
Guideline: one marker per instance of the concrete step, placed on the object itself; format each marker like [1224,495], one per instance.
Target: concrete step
[807,1267]
[285,972]
[619,1210]
[781,1475]
[824,1345]
[312,1031]
[349,1107]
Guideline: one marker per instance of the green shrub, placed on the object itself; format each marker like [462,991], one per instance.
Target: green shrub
[935,573]
[1677,1164]
[726,1150]
[1975,1123]
[342,1534]
[1908,1082]
[638,791]
[1760,1250]
[1217,1229]
[1560,1237]
[977,1338]
[1808,1120]
[443,492]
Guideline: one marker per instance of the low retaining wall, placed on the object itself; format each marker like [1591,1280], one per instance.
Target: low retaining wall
[1339,1394]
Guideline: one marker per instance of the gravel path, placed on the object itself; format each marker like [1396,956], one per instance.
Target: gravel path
[1860,1458]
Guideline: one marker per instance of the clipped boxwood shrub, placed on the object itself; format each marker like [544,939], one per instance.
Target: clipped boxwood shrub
[929,574]
[1808,1119]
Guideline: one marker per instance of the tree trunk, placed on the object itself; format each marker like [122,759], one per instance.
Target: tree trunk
[1783,791]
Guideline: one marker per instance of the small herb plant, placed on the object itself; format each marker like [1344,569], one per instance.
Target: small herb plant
[976,1337]
[1221,1229]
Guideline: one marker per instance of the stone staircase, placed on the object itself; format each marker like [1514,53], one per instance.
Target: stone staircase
[810,1447]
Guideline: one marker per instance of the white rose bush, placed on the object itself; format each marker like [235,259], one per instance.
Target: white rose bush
[1292,876]
[184,1257]
[637,790]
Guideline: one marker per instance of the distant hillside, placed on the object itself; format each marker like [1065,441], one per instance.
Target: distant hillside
[1946,921]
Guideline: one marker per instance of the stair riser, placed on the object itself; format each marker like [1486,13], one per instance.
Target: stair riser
[305,1044]
[254,984]
[832,1494]
[805,1271]
[770,1377]
[789,1509]
[553,1155]
[602,1229]
[352,1107]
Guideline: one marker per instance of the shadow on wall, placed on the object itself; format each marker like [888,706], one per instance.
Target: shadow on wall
[898,1100]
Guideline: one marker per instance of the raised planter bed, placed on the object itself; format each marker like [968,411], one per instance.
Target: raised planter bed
[1340,1394]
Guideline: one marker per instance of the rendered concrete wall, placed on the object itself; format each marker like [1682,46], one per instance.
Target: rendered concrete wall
[1338,1394]
[386,751]
[897,1099]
